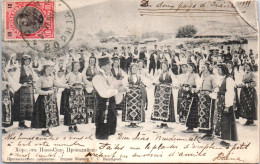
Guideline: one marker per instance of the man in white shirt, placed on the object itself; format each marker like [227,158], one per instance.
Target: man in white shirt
[106,118]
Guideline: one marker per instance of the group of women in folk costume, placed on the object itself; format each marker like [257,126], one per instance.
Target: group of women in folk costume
[204,100]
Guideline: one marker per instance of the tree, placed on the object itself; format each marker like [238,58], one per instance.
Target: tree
[105,34]
[187,31]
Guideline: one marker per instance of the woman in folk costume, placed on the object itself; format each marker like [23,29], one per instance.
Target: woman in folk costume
[36,65]
[189,99]
[74,105]
[146,76]
[13,67]
[120,77]
[60,68]
[248,95]
[59,71]
[8,88]
[133,110]
[24,97]
[182,60]
[91,101]
[224,116]
[123,59]
[207,97]
[106,119]
[7,99]
[233,74]
[182,80]
[45,114]
[68,70]
[163,105]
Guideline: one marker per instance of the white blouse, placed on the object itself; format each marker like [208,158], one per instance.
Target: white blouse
[230,92]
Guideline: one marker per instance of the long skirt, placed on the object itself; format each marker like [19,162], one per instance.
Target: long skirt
[184,104]
[121,105]
[91,104]
[7,108]
[237,104]
[179,101]
[134,107]
[63,102]
[23,104]
[192,118]
[206,112]
[163,105]
[225,124]
[106,119]
[75,110]
[248,103]
[45,114]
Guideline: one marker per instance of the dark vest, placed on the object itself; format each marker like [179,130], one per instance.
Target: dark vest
[90,74]
[222,89]
[138,81]
[142,55]
[167,79]
[118,76]
[102,102]
[24,78]
[232,74]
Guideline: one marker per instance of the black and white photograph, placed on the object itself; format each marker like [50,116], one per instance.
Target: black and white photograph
[130,81]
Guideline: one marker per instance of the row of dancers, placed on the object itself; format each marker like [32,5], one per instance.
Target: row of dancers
[208,96]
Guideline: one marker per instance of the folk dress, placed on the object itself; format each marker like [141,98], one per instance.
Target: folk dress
[163,104]
[189,101]
[45,114]
[224,122]
[24,97]
[133,110]
[206,103]
[74,104]
[248,97]
[91,99]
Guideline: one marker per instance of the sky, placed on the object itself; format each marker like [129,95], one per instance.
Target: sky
[123,17]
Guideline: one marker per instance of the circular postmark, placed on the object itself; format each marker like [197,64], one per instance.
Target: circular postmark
[39,16]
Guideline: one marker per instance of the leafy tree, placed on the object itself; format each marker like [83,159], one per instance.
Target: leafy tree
[104,34]
[187,31]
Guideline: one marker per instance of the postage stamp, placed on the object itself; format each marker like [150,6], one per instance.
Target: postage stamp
[31,20]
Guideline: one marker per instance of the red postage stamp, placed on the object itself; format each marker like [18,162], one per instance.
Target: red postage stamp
[33,20]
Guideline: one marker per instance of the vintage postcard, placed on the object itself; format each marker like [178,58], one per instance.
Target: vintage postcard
[130,81]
